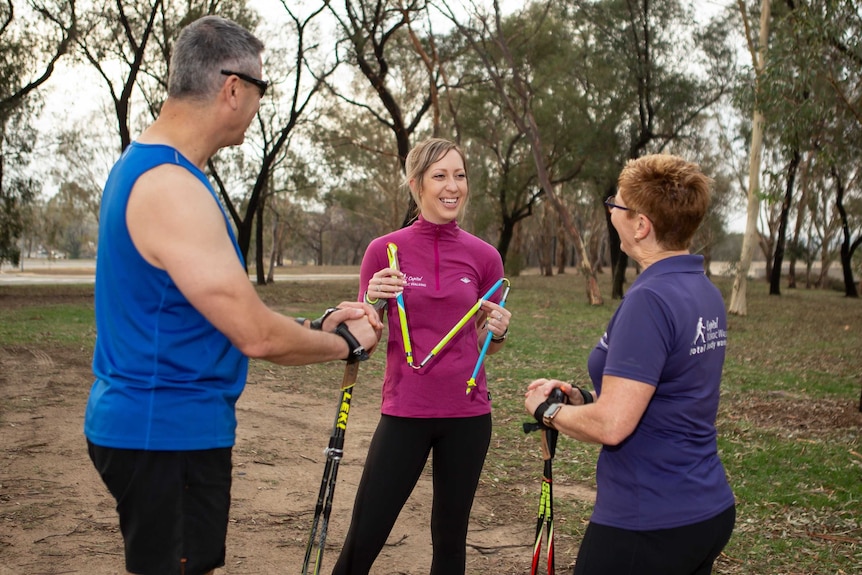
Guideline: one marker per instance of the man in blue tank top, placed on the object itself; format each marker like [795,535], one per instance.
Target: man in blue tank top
[177,318]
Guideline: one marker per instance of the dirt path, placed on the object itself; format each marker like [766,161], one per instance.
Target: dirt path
[57,518]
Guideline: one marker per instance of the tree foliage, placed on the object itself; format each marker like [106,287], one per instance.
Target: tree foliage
[549,99]
[814,113]
[34,36]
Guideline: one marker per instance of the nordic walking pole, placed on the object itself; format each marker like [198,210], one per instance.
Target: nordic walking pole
[546,501]
[333,452]
[471,383]
[462,321]
[392,252]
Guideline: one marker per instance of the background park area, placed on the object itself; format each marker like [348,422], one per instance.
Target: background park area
[548,99]
[789,434]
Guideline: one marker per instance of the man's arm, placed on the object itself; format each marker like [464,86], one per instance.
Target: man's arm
[176,226]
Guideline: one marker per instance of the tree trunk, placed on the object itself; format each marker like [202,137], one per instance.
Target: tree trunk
[847,247]
[619,260]
[276,243]
[258,239]
[738,304]
[562,250]
[775,278]
[797,233]
[545,245]
[507,233]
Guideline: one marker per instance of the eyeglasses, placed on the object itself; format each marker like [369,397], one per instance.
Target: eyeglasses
[609,202]
[262,85]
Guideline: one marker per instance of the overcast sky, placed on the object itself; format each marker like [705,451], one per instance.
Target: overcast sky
[75,94]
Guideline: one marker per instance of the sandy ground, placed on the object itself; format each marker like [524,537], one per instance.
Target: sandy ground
[56,517]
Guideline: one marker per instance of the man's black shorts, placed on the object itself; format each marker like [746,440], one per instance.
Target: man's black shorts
[173,506]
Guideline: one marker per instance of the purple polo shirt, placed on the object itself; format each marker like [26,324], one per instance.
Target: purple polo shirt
[670,331]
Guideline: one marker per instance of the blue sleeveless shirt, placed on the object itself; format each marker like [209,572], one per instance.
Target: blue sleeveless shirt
[166,378]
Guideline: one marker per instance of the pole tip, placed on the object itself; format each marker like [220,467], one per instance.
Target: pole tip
[471,383]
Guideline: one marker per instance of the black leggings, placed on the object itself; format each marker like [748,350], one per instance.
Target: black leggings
[687,550]
[396,457]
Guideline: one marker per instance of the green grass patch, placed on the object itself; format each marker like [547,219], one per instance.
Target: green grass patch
[789,422]
[48,315]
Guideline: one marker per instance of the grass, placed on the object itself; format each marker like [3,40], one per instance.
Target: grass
[789,423]
[48,315]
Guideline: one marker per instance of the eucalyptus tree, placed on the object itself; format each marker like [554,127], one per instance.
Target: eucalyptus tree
[374,35]
[798,247]
[828,187]
[357,167]
[776,189]
[494,45]
[34,36]
[17,189]
[793,101]
[113,40]
[833,29]
[757,48]
[82,158]
[541,43]
[813,112]
[839,30]
[128,43]
[825,223]
[657,73]
[70,225]
[851,226]
[296,63]
[502,182]
[79,160]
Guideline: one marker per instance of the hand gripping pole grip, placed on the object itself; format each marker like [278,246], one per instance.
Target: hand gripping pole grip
[357,351]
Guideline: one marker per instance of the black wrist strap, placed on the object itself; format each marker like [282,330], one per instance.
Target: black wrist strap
[357,352]
[588,397]
[318,323]
[556,396]
[539,414]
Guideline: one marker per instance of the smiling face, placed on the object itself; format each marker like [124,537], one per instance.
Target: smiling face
[443,189]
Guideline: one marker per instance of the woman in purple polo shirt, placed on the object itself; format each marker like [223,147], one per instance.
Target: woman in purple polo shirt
[663,504]
[442,272]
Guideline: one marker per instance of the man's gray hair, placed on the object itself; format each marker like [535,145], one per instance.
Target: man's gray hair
[204,48]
